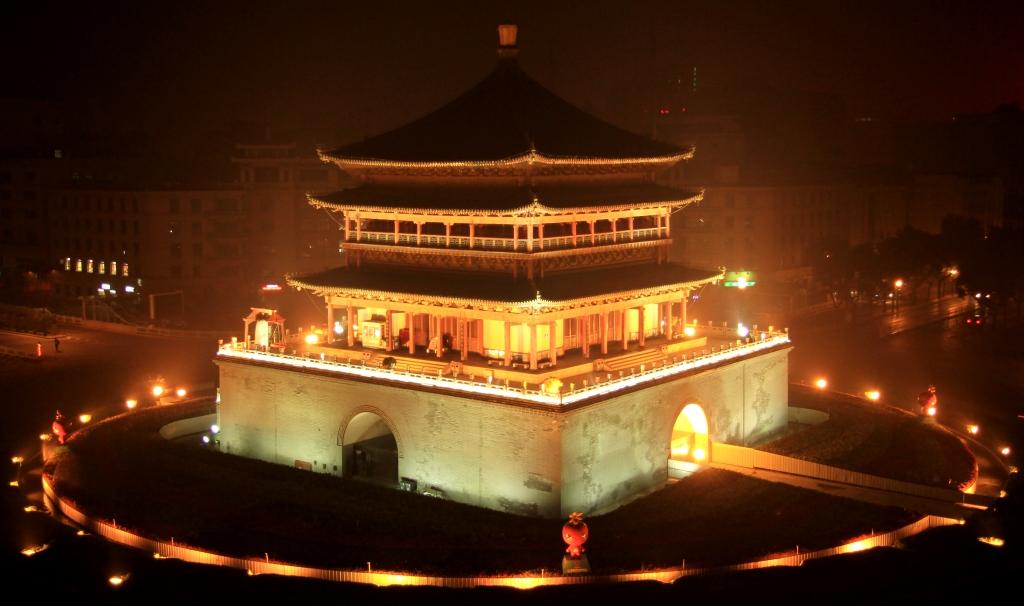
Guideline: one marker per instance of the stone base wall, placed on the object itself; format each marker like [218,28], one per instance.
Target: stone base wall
[619,448]
[482,453]
[501,456]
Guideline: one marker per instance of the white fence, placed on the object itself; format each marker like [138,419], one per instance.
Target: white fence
[612,384]
[165,549]
[15,352]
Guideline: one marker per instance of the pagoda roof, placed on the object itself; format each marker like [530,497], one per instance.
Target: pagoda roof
[502,199]
[507,115]
[456,285]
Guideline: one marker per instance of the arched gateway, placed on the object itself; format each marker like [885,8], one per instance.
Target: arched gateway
[690,440]
[370,450]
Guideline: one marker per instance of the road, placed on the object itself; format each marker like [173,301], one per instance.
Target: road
[93,369]
[978,372]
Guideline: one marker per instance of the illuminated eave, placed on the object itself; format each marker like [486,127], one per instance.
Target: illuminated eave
[525,396]
[524,160]
[529,210]
[533,307]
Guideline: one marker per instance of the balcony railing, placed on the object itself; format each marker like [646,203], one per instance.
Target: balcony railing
[504,244]
[591,385]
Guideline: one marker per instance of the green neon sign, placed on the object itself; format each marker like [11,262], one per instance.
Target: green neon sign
[739,279]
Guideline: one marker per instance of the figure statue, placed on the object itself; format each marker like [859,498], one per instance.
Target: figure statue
[575,533]
[929,401]
[60,427]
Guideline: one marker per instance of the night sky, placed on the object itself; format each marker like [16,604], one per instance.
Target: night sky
[336,71]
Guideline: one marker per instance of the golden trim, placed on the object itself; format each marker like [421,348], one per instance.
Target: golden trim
[534,209]
[535,306]
[525,159]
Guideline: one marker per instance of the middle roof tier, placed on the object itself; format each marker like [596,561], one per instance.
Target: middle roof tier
[503,200]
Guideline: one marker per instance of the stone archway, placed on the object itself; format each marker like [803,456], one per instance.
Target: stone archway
[369,449]
[690,441]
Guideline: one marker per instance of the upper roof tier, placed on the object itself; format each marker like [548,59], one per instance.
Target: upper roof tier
[508,117]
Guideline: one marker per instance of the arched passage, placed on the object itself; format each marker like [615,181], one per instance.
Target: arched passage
[690,435]
[370,450]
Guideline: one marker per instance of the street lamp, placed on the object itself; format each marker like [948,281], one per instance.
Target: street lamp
[821,383]
[873,394]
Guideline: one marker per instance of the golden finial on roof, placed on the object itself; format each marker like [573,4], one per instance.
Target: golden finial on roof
[507,40]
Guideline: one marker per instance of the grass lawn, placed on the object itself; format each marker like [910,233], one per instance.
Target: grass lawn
[124,470]
[878,440]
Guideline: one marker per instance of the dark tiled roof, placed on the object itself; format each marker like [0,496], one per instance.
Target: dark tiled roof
[504,115]
[503,198]
[494,287]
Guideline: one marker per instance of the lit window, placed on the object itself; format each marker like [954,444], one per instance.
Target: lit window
[124,269]
[88,266]
[78,265]
[113,268]
[67,264]
[103,267]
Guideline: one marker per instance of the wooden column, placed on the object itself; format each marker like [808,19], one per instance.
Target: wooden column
[593,234]
[529,236]
[604,333]
[668,223]
[533,347]
[463,340]
[440,336]
[472,233]
[515,237]
[615,229]
[330,323]
[396,231]
[640,328]
[668,320]
[419,233]
[574,231]
[508,344]
[390,333]
[410,319]
[346,223]
[584,333]
[359,229]
[631,234]
[350,321]
[685,297]
[552,348]
[447,235]
[625,330]
[540,235]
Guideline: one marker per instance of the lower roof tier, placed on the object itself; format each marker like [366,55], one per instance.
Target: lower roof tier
[377,281]
[503,199]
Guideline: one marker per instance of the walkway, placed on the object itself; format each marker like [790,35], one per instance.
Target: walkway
[875,496]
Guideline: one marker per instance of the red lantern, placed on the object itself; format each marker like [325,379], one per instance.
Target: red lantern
[575,533]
